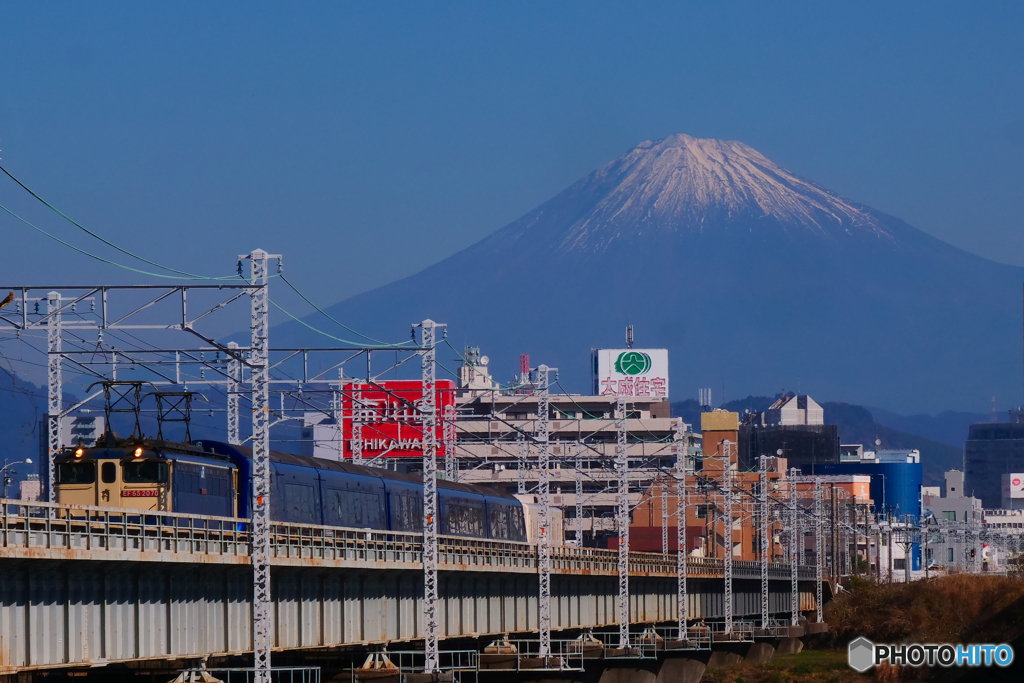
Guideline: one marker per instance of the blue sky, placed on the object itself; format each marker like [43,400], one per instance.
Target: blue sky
[366,141]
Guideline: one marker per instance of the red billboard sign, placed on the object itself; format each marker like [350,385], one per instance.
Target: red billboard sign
[387,417]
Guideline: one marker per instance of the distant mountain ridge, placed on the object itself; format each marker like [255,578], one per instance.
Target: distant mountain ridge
[748,274]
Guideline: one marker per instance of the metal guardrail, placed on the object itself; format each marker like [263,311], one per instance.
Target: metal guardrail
[742,632]
[61,531]
[698,637]
[278,674]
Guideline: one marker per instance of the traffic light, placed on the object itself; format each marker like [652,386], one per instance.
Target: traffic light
[972,553]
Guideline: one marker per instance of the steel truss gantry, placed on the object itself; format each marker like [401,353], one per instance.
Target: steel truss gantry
[120,309]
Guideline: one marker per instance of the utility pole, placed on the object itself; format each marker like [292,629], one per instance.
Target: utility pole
[54,387]
[727,535]
[428,410]
[544,546]
[260,379]
[794,586]
[765,540]
[234,389]
[679,443]
[622,520]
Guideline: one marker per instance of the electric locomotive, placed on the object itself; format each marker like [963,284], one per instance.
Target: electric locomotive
[214,478]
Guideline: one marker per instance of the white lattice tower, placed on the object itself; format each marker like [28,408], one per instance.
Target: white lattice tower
[794,585]
[727,536]
[679,445]
[428,411]
[53,388]
[359,412]
[622,519]
[579,494]
[234,389]
[522,452]
[664,515]
[544,494]
[260,381]
[765,539]
[451,465]
[819,543]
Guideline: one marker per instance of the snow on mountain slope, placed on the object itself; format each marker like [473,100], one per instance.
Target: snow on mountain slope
[677,183]
[747,273]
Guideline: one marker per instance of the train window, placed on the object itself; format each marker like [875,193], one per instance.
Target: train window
[108,472]
[497,517]
[518,524]
[300,501]
[76,473]
[144,472]
[408,513]
[465,521]
[355,509]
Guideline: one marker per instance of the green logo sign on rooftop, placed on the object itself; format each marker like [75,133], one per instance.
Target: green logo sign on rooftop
[633,363]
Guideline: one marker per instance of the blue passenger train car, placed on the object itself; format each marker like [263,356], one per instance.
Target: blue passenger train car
[214,478]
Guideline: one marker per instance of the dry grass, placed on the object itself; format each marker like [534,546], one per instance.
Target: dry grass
[950,609]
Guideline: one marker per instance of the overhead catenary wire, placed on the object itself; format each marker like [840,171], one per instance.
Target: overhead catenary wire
[191,276]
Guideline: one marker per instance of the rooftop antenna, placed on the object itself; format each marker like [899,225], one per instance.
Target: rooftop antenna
[629,336]
[704,398]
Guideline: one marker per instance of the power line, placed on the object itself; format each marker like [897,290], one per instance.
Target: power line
[333,320]
[94,256]
[102,239]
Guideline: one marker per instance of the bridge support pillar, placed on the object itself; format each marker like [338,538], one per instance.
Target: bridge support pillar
[627,675]
[681,670]
[760,653]
[789,646]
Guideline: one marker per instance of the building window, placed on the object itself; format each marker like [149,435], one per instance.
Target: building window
[949,515]
[949,555]
[899,563]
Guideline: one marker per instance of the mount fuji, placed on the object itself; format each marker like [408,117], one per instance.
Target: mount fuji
[754,278]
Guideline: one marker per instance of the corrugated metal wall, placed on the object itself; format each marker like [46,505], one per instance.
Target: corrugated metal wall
[62,612]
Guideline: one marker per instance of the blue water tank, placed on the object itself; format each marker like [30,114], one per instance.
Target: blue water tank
[895,487]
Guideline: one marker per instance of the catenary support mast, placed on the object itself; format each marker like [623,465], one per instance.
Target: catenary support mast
[819,543]
[622,520]
[579,494]
[260,379]
[53,388]
[727,535]
[234,389]
[428,410]
[679,443]
[544,542]
[765,539]
[794,586]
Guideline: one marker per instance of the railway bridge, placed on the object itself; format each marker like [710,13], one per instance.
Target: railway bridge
[88,586]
